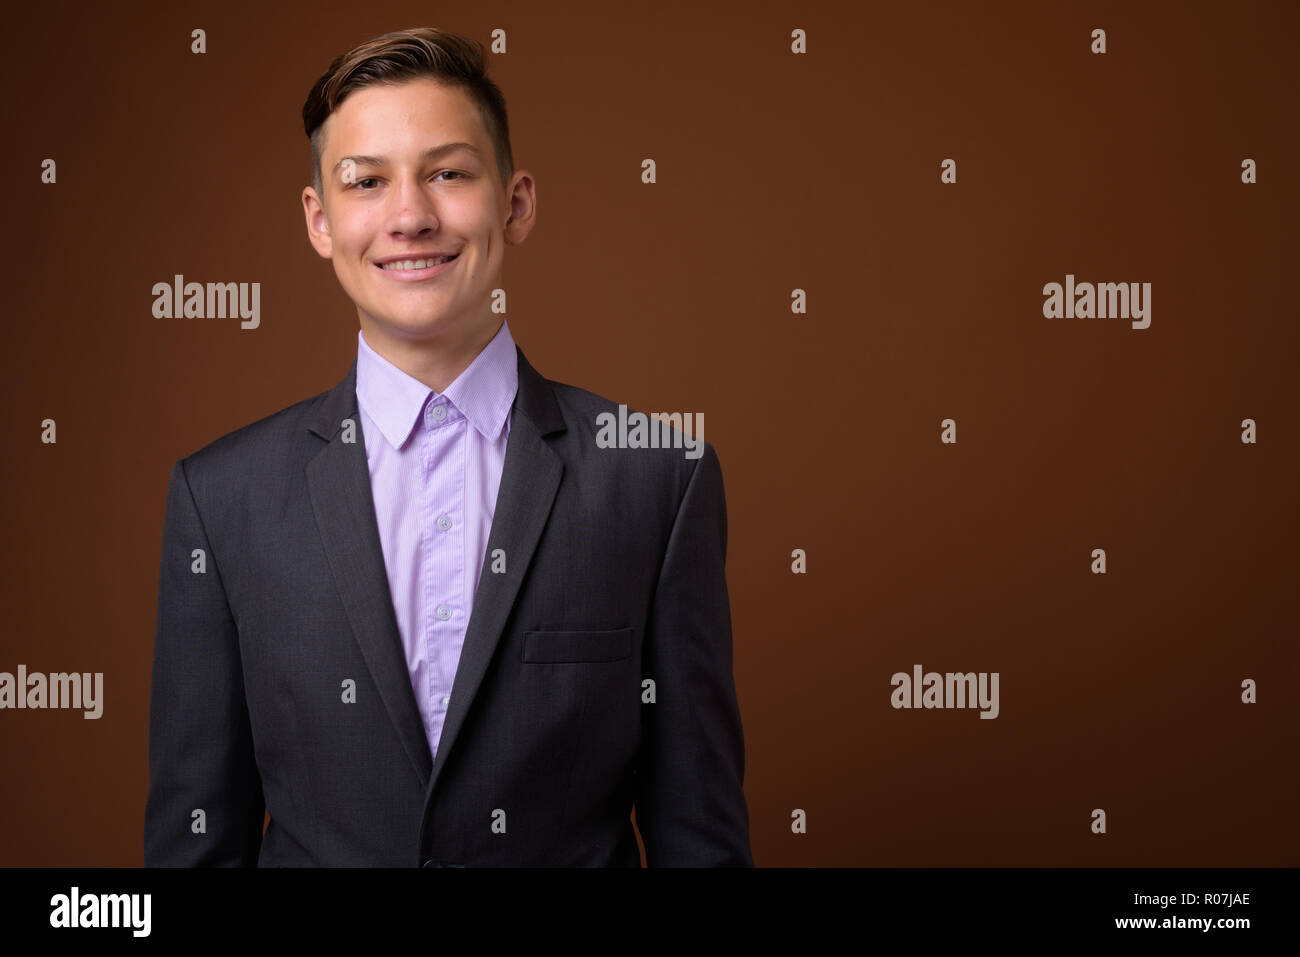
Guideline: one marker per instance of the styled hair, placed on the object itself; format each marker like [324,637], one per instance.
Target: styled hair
[396,58]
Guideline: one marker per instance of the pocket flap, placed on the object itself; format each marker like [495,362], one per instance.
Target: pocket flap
[553,646]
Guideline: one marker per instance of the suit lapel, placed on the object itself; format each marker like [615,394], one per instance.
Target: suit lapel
[338,480]
[530,479]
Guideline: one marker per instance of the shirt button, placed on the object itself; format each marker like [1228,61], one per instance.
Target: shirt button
[439,412]
[444,522]
[445,699]
[444,612]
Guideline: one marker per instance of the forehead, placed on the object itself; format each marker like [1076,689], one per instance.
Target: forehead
[410,114]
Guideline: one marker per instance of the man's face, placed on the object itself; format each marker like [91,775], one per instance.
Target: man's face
[394,189]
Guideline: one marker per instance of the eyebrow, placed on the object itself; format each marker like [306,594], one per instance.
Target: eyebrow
[432,153]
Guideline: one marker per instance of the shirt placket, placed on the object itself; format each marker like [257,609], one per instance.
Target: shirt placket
[442,519]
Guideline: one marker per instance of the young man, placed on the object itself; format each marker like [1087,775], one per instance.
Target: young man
[425,618]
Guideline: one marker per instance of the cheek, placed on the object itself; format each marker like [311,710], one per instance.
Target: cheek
[351,239]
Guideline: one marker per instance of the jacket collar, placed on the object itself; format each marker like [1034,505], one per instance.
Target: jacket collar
[534,399]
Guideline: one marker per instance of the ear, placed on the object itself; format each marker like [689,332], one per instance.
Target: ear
[522,201]
[318,224]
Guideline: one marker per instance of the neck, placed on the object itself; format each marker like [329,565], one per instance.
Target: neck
[435,362]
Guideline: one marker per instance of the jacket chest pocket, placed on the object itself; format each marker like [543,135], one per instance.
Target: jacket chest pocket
[577,646]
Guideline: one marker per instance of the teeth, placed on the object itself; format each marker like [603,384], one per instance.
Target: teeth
[416,263]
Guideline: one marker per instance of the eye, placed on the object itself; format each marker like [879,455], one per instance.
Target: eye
[368,179]
[453,172]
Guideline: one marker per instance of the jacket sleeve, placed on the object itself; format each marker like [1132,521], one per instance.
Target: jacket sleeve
[200,742]
[690,805]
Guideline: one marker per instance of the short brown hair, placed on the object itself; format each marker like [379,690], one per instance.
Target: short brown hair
[395,58]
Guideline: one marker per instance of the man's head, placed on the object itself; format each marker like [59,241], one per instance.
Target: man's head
[389,183]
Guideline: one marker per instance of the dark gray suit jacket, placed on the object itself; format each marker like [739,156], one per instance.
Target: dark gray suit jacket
[613,574]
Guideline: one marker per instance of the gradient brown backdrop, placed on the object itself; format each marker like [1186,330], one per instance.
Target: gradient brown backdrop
[775,171]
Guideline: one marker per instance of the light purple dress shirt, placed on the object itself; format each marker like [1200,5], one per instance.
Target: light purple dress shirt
[435,466]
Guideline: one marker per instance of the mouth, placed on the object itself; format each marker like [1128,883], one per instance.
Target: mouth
[416,269]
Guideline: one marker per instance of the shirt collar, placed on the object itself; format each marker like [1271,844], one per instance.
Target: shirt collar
[483,393]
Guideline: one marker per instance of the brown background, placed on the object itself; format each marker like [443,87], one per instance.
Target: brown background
[775,172]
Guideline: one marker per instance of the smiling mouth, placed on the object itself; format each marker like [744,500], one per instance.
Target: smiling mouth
[408,264]
[415,269]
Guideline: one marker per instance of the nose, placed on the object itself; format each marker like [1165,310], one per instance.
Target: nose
[411,207]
